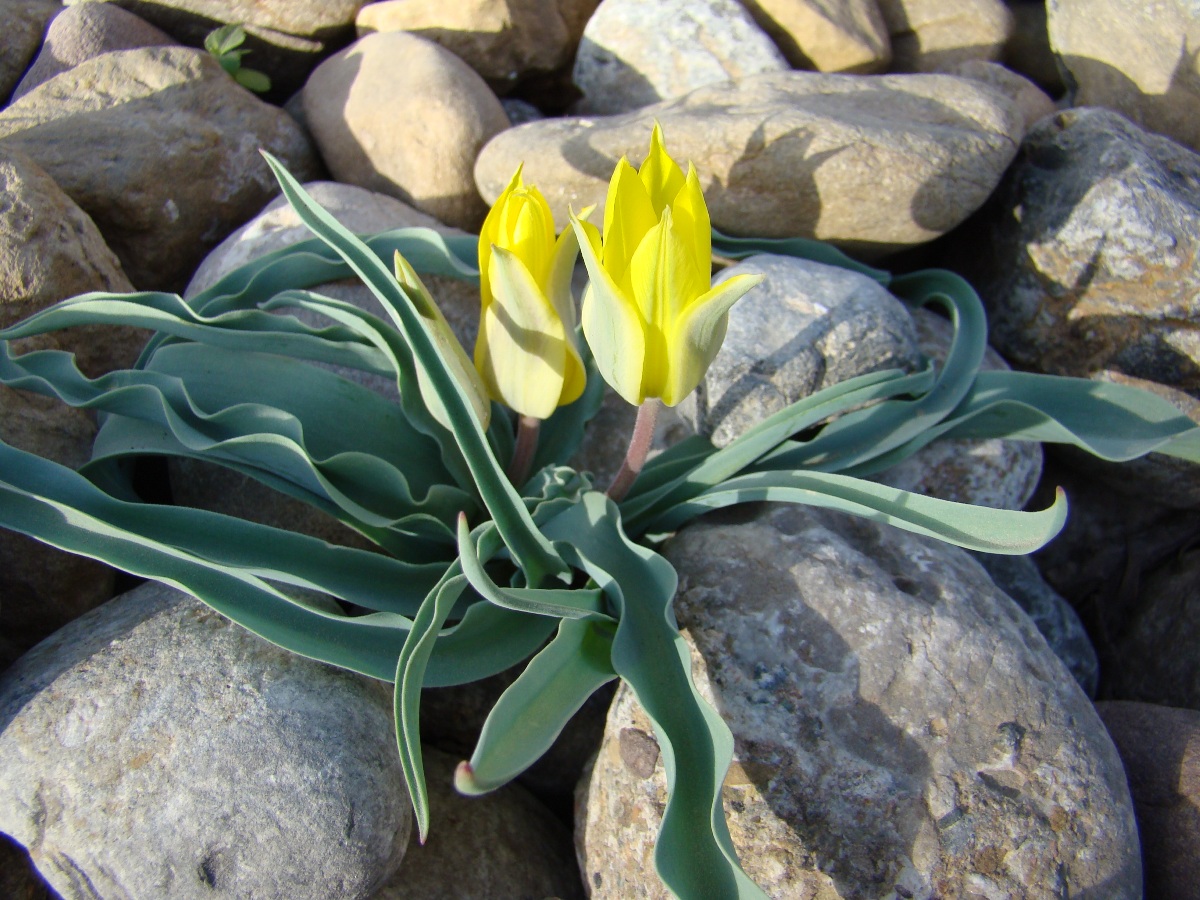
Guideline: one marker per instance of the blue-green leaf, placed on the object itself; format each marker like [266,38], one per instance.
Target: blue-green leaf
[535,708]
[694,853]
[530,549]
[974,527]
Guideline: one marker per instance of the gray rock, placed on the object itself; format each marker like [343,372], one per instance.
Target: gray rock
[934,35]
[520,111]
[80,33]
[1158,746]
[1135,58]
[872,163]
[50,250]
[996,473]
[1156,650]
[160,147]
[151,748]
[634,54]
[505,844]
[24,24]
[19,880]
[355,98]
[808,326]
[901,728]
[826,35]
[43,588]
[1088,253]
[1018,576]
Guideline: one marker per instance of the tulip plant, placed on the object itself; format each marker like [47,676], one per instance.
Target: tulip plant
[492,551]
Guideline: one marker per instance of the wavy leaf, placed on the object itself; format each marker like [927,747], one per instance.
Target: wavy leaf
[694,854]
[974,527]
[531,550]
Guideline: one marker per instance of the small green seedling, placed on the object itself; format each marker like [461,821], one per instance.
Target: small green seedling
[224,44]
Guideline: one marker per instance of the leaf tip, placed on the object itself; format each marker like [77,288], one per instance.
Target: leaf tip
[464,780]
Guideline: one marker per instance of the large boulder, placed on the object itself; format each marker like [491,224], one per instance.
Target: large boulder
[151,748]
[900,727]
[872,163]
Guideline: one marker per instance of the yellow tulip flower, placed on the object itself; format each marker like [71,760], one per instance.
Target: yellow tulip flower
[650,316]
[526,351]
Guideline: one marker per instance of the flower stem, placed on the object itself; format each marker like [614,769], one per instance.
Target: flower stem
[522,458]
[639,447]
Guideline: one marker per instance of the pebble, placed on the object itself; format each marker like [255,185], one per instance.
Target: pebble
[846,36]
[1089,260]
[83,32]
[1135,58]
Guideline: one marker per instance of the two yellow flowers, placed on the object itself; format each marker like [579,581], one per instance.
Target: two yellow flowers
[650,317]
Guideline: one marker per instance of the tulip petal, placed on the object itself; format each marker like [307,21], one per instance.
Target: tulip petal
[521,352]
[489,234]
[660,174]
[628,215]
[558,290]
[614,330]
[692,221]
[697,335]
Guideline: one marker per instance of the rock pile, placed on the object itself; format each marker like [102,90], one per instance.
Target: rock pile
[908,722]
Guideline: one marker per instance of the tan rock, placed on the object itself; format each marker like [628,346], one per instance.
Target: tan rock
[826,35]
[1136,58]
[24,23]
[400,115]
[161,148]
[1028,49]
[502,40]
[50,250]
[872,163]
[1030,100]
[933,35]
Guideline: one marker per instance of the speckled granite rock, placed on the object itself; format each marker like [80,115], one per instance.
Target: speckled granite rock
[160,147]
[24,23]
[504,844]
[1086,255]
[873,163]
[807,326]
[634,53]
[901,728]
[151,748]
[1018,576]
